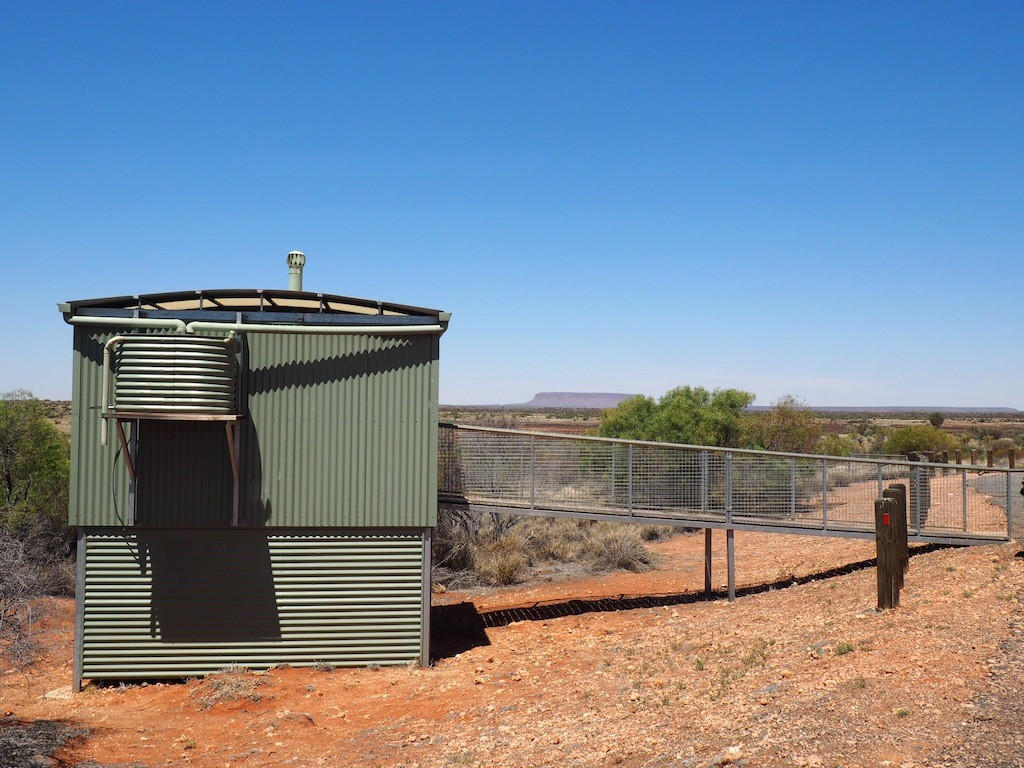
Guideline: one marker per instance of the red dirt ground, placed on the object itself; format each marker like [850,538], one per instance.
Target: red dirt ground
[618,669]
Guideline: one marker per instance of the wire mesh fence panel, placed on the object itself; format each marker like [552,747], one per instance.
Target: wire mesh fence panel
[632,479]
[773,488]
[850,492]
[491,466]
[449,464]
[1016,524]
[1016,505]
[571,476]
[666,482]
[986,501]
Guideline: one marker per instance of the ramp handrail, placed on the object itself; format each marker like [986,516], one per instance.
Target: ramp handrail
[611,478]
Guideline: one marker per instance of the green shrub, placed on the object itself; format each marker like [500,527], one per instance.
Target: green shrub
[1002,445]
[836,445]
[919,437]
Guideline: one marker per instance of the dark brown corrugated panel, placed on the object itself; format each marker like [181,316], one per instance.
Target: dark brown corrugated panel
[174,603]
[184,474]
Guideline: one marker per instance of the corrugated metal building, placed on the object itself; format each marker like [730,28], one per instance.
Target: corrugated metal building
[286,517]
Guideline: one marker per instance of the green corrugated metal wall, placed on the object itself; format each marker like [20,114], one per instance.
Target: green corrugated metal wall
[341,431]
[174,603]
[99,480]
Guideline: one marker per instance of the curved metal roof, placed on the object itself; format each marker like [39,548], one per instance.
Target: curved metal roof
[257,304]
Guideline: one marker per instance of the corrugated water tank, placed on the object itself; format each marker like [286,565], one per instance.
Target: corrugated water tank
[174,374]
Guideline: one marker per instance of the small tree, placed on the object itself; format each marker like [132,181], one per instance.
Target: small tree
[788,426]
[691,415]
[936,419]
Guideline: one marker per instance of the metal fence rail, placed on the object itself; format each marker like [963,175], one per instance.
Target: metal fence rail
[600,478]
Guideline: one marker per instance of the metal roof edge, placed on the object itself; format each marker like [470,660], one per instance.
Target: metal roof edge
[266,317]
[257,294]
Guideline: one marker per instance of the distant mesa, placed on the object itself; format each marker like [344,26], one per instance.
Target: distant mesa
[575,400]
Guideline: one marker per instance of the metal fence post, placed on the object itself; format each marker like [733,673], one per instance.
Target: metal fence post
[792,488]
[614,474]
[629,478]
[707,564]
[916,485]
[703,481]
[1009,505]
[533,471]
[730,554]
[824,494]
[728,487]
[963,495]
[730,534]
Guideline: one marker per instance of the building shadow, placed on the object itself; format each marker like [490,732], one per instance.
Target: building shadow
[461,627]
[455,629]
[215,588]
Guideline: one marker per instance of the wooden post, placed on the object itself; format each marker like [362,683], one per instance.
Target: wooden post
[991,457]
[1011,455]
[959,457]
[885,509]
[898,492]
[945,457]
[974,457]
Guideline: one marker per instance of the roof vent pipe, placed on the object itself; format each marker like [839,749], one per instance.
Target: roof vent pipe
[296,261]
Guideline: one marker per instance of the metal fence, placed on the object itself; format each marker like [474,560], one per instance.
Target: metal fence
[720,487]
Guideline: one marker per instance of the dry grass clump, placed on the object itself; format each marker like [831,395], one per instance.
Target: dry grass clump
[555,540]
[656,532]
[595,546]
[485,550]
[231,684]
[614,546]
[501,561]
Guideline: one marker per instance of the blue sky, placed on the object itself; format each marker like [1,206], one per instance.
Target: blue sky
[819,199]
